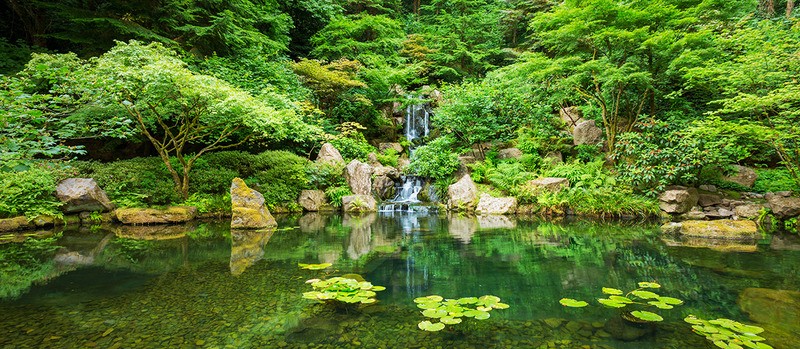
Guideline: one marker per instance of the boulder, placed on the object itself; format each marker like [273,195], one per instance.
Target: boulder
[329,154]
[359,177]
[748,210]
[587,133]
[492,205]
[314,200]
[509,153]
[12,224]
[169,215]
[551,184]
[718,229]
[743,176]
[784,207]
[708,199]
[359,203]
[553,158]
[462,195]
[247,208]
[384,187]
[82,194]
[571,116]
[372,159]
[777,311]
[382,147]
[677,200]
[387,171]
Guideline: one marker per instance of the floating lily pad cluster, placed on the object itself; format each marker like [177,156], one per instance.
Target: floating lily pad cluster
[640,297]
[451,311]
[342,289]
[728,334]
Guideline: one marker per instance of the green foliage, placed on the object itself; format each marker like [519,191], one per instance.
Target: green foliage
[600,202]
[726,333]
[638,299]
[132,183]
[335,194]
[345,290]
[772,180]
[281,177]
[589,175]
[351,142]
[319,266]
[210,203]
[389,157]
[29,192]
[353,36]
[434,160]
[508,175]
[451,311]
[322,175]
[659,156]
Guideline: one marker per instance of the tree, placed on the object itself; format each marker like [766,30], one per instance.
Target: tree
[179,111]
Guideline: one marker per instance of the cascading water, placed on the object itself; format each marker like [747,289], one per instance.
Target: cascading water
[417,126]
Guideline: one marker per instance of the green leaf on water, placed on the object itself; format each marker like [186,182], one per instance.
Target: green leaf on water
[670,300]
[569,302]
[644,294]
[432,327]
[660,305]
[434,313]
[428,299]
[646,315]
[449,320]
[614,291]
[620,299]
[319,266]
[644,284]
[610,303]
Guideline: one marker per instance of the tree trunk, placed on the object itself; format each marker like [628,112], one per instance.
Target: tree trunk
[767,8]
[32,21]
[789,8]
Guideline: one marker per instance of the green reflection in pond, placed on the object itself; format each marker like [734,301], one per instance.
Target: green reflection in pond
[129,289]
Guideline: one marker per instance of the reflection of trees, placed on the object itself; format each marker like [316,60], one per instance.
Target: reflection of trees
[24,263]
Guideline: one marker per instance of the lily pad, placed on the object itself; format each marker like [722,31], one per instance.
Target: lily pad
[468,300]
[647,316]
[572,303]
[434,313]
[670,300]
[319,266]
[429,305]
[620,299]
[427,299]
[610,303]
[660,305]
[644,294]
[432,327]
[449,320]
[500,306]
[644,284]
[613,291]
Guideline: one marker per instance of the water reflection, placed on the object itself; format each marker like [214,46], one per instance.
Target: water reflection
[247,248]
[359,241]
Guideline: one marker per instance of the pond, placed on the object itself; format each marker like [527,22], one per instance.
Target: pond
[201,285]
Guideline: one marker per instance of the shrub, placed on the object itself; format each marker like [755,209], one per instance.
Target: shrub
[335,195]
[281,176]
[435,159]
[772,180]
[508,175]
[29,192]
[353,148]
[389,157]
[133,182]
[606,201]
[324,175]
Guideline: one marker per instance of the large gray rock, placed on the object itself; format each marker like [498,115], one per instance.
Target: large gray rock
[382,147]
[586,132]
[359,203]
[169,215]
[313,200]
[784,207]
[708,199]
[748,210]
[677,200]
[462,195]
[329,154]
[492,205]
[743,176]
[82,194]
[551,184]
[359,177]
[384,187]
[509,153]
[247,208]
[717,229]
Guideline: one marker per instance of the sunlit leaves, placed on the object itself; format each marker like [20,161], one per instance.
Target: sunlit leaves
[451,311]
[727,333]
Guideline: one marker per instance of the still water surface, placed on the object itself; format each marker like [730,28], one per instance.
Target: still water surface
[205,286]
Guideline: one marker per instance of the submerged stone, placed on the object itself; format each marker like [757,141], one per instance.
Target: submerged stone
[171,214]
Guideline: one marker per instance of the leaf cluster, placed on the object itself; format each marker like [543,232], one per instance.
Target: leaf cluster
[451,311]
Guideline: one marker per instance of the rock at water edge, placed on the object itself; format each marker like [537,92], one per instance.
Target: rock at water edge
[462,195]
[359,177]
[493,205]
[247,208]
[82,194]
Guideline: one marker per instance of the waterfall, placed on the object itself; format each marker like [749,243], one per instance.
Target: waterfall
[417,127]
